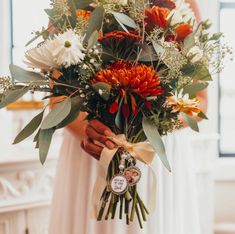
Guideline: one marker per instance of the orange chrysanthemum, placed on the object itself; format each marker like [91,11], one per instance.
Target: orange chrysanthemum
[85,15]
[129,80]
[156,17]
[182,31]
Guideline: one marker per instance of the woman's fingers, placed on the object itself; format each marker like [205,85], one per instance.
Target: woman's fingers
[100,128]
[91,148]
[94,132]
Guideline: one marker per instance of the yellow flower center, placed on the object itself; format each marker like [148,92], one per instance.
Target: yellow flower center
[67,44]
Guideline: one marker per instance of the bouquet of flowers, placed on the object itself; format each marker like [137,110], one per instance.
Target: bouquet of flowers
[135,65]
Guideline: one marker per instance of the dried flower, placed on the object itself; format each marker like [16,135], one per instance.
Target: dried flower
[183,104]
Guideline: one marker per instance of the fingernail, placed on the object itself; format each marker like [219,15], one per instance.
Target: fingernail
[110,145]
[108,133]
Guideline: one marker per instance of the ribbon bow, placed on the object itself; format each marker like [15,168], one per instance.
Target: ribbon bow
[143,151]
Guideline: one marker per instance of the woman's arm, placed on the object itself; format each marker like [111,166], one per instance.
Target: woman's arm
[203,95]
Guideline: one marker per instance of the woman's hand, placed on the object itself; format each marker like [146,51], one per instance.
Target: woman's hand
[96,138]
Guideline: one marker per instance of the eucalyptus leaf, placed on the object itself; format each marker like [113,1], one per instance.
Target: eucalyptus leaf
[92,40]
[45,137]
[155,140]
[103,90]
[73,9]
[57,114]
[76,103]
[188,69]
[202,115]
[22,75]
[124,19]
[95,22]
[81,4]
[36,137]
[202,73]
[29,129]
[193,89]
[147,54]
[189,41]
[12,96]
[118,119]
[158,48]
[191,122]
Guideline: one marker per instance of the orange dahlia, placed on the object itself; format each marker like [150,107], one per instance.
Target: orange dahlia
[131,81]
[165,3]
[156,17]
[182,31]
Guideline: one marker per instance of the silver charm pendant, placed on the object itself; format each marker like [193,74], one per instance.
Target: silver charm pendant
[119,184]
[133,175]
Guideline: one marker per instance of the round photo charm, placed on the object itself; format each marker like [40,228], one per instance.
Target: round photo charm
[133,175]
[119,184]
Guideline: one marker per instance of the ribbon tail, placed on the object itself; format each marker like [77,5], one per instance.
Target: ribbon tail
[153,194]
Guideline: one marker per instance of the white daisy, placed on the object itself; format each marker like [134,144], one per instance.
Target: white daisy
[68,49]
[183,13]
[63,51]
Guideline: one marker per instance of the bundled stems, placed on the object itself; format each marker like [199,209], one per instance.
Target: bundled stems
[128,203]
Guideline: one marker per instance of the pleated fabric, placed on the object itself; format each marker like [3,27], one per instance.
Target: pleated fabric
[176,211]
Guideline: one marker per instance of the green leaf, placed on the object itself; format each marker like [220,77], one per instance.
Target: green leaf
[202,73]
[191,122]
[147,54]
[95,22]
[103,90]
[155,140]
[30,128]
[188,69]
[13,95]
[158,48]
[57,114]
[36,137]
[193,89]
[189,41]
[81,4]
[76,103]
[118,119]
[124,19]
[45,137]
[92,40]
[73,17]
[202,115]
[22,75]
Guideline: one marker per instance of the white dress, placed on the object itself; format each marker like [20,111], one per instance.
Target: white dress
[177,209]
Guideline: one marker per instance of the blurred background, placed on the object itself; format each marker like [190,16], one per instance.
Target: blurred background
[26,186]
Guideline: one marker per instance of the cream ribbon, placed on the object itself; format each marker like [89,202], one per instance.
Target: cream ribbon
[142,151]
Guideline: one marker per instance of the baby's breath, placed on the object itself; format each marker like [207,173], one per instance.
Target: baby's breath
[60,9]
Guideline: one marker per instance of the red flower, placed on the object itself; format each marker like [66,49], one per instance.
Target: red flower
[156,17]
[165,3]
[182,31]
[120,35]
[130,80]
[115,41]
